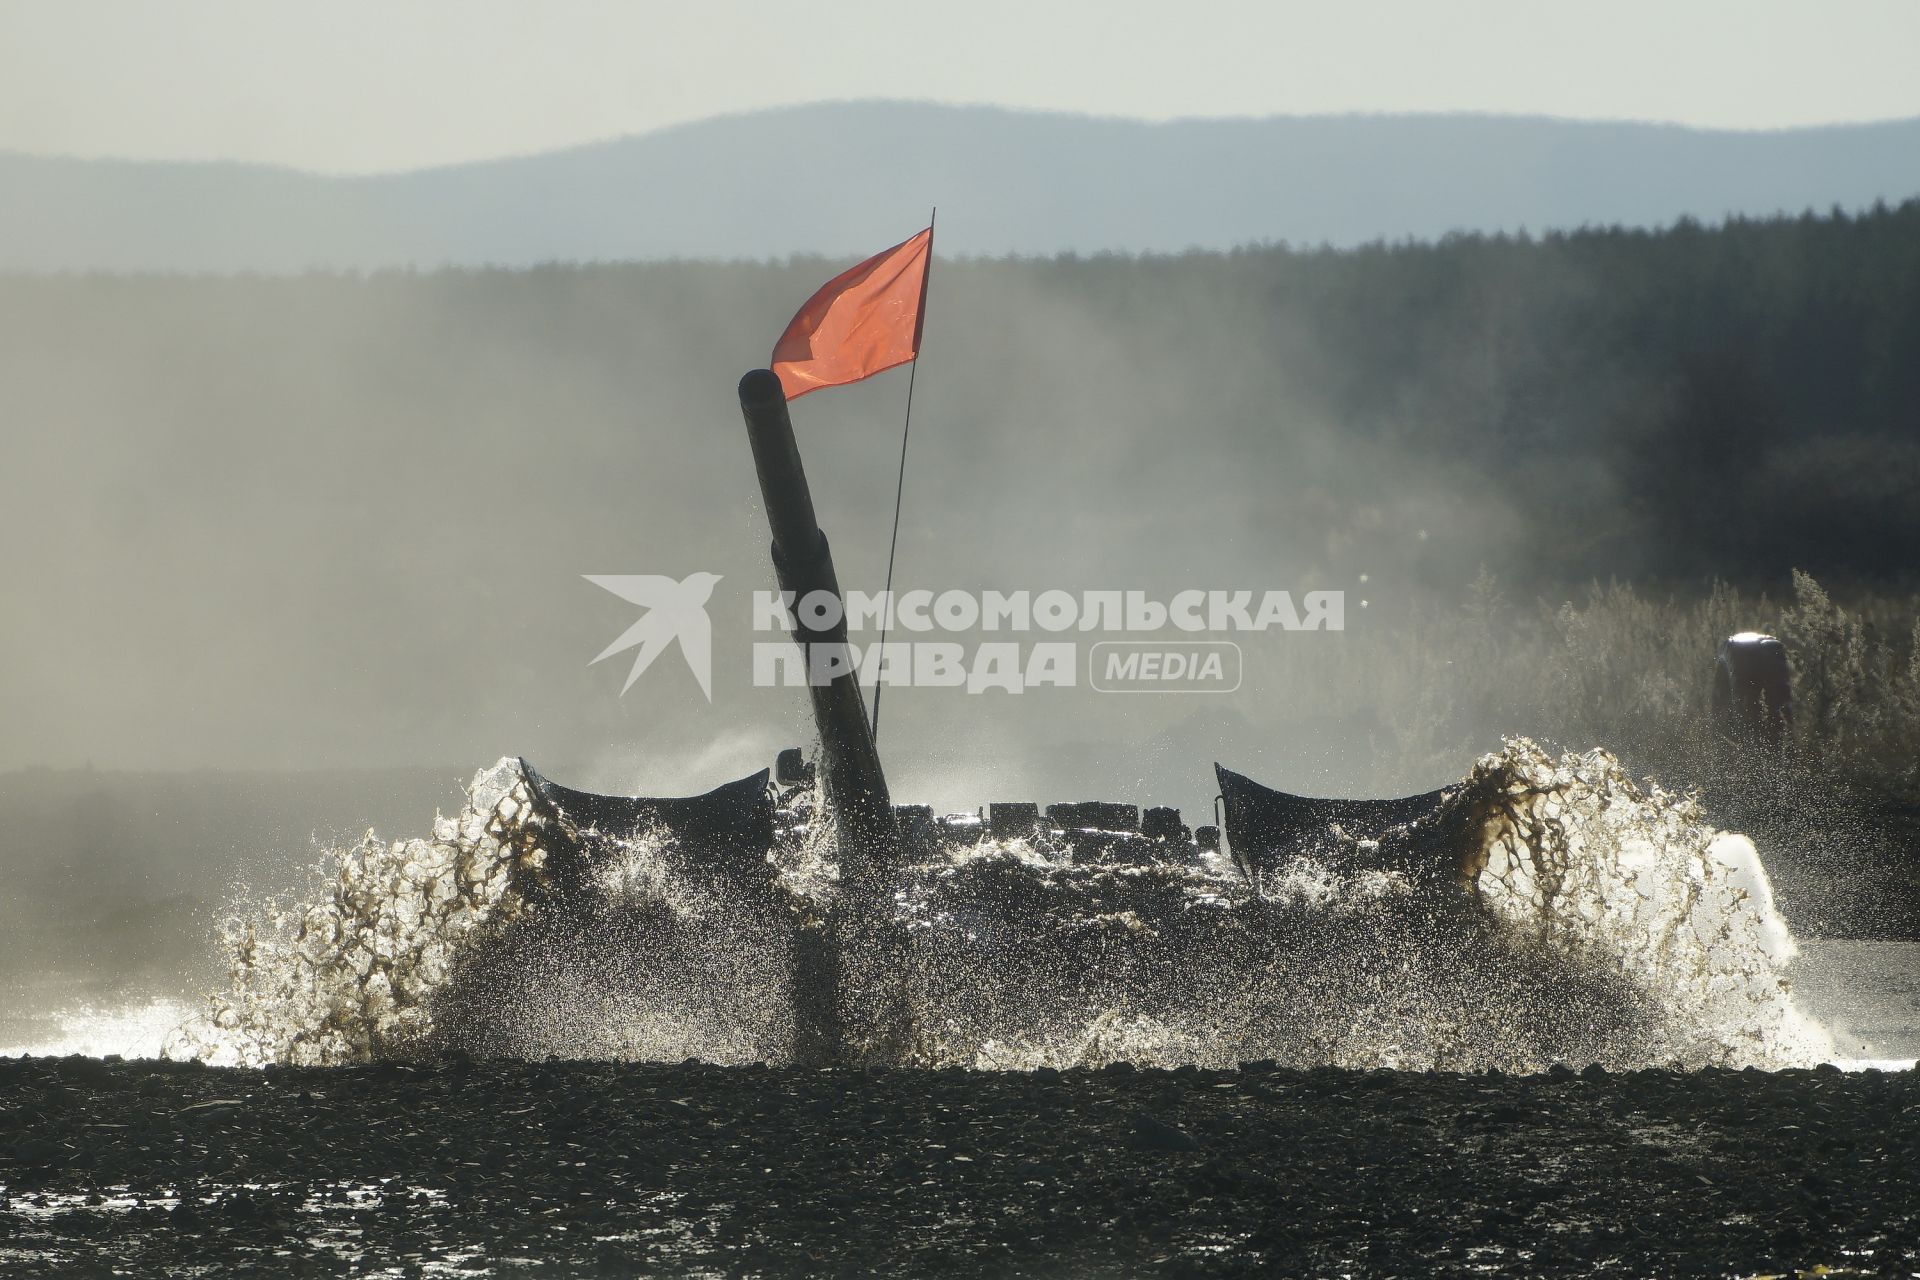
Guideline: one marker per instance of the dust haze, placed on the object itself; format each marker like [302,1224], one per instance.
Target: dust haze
[332,522]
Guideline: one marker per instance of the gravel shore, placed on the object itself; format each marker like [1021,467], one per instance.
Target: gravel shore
[581,1169]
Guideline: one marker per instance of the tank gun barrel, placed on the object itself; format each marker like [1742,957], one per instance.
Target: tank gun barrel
[853,783]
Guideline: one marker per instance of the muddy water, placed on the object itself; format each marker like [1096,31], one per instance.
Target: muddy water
[507,1168]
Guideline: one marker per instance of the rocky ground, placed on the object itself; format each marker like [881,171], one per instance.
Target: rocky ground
[567,1169]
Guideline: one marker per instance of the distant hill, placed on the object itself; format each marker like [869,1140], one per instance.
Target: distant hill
[844,177]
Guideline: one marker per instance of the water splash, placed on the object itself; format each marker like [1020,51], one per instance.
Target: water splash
[1601,922]
[1583,861]
[353,975]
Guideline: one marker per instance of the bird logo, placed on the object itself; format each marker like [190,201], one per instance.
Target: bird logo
[674,611]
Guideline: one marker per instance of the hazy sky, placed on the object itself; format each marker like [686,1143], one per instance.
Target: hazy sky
[386,84]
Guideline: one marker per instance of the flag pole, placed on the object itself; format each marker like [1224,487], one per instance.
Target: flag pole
[900,484]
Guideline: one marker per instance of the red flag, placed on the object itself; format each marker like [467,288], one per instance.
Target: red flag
[863,320]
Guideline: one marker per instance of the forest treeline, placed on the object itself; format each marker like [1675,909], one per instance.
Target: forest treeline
[1668,406]
[1659,405]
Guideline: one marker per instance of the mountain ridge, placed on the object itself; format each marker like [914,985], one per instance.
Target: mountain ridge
[611,141]
[851,175]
